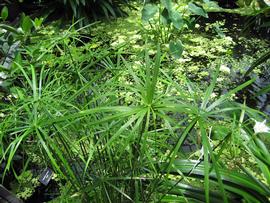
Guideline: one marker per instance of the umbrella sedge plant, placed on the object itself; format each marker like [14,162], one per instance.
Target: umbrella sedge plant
[108,150]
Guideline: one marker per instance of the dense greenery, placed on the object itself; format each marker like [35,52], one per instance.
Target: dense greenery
[166,104]
[76,9]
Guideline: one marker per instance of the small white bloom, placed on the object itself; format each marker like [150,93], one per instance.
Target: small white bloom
[58,113]
[260,127]
[211,144]
[3,75]
[267,2]
[227,38]
[20,30]
[15,96]
[213,95]
[225,69]
[3,31]
[136,46]
[136,37]
[220,79]
[202,149]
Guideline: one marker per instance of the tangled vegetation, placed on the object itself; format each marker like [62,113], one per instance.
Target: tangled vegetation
[168,103]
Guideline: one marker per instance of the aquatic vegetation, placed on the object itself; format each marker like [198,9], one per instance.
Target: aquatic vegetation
[135,110]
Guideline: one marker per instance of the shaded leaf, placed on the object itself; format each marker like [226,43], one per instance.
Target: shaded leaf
[197,10]
[165,18]
[258,62]
[148,12]
[167,4]
[177,20]
[10,40]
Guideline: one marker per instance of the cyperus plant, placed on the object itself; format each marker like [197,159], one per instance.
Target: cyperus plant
[110,151]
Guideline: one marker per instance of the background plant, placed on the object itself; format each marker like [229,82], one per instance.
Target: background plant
[12,38]
[170,18]
[89,10]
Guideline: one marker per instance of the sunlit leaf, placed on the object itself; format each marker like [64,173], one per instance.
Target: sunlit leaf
[148,12]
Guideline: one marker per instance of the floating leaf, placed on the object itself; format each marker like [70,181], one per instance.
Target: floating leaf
[4,13]
[148,12]
[197,10]
[176,48]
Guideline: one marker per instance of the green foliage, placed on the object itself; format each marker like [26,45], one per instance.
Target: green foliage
[148,12]
[197,10]
[27,24]
[112,122]
[25,185]
[86,11]
[11,39]
[82,8]
[83,137]
[170,17]
[230,179]
[254,10]
[258,62]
